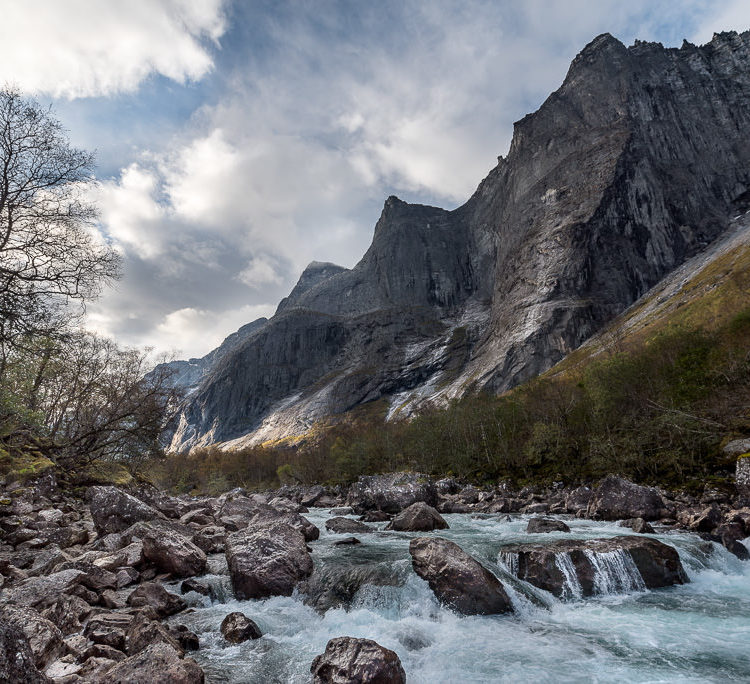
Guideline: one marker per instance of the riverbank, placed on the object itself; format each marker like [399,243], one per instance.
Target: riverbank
[137,581]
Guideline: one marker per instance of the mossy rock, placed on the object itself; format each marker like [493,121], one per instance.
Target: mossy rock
[26,466]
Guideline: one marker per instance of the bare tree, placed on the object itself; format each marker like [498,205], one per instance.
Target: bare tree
[49,252]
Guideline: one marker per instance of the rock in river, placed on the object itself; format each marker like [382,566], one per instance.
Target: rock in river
[268,561]
[576,568]
[457,579]
[539,525]
[237,627]
[348,660]
[419,517]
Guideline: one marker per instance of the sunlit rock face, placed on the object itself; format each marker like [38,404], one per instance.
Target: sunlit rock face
[635,164]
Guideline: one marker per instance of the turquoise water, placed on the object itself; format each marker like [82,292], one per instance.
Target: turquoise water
[699,632]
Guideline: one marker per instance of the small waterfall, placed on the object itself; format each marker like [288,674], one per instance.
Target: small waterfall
[615,572]
[572,588]
[509,561]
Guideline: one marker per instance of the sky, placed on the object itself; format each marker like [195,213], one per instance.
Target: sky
[238,140]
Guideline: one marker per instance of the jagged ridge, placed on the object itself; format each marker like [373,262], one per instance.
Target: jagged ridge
[635,164]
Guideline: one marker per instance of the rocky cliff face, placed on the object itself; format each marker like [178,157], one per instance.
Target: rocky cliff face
[635,164]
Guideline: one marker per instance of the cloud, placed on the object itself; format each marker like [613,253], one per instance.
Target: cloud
[87,48]
[309,120]
[723,16]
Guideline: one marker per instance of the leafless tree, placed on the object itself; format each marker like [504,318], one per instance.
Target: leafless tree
[49,253]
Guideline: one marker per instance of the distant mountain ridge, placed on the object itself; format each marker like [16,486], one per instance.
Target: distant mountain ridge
[635,164]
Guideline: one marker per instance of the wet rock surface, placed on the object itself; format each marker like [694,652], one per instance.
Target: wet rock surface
[237,627]
[347,660]
[458,580]
[341,525]
[578,567]
[419,517]
[543,525]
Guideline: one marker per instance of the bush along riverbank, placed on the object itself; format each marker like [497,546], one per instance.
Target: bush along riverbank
[113,586]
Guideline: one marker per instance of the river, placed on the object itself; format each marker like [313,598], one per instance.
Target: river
[698,632]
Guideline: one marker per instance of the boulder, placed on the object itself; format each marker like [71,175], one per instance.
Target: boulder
[340,525]
[419,517]
[457,579]
[638,525]
[68,613]
[730,535]
[335,585]
[578,500]
[143,631]
[347,541]
[174,554]
[210,539]
[155,595]
[114,510]
[41,592]
[391,493]
[707,520]
[237,627]
[17,662]
[267,561]
[156,664]
[188,640]
[270,516]
[543,525]
[616,498]
[109,629]
[576,568]
[347,660]
[44,638]
[375,516]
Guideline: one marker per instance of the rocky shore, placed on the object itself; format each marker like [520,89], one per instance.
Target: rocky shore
[84,599]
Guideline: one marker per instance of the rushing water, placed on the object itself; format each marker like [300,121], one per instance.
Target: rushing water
[699,632]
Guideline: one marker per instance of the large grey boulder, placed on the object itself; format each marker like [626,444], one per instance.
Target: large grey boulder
[391,493]
[114,510]
[155,595]
[17,662]
[419,517]
[156,664]
[45,639]
[267,515]
[341,525]
[42,592]
[267,561]
[364,661]
[174,554]
[457,579]
[579,568]
[616,498]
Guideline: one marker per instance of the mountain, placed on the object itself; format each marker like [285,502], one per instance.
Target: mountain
[637,163]
[188,375]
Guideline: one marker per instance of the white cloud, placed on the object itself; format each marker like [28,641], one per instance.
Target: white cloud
[307,135]
[724,16]
[259,271]
[85,48]
[191,332]
[130,212]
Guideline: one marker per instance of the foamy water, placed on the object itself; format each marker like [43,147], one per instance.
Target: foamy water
[699,632]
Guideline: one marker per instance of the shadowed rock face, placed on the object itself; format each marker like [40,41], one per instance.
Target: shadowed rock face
[457,579]
[635,164]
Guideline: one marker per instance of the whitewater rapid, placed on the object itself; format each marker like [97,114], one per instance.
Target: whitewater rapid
[698,632]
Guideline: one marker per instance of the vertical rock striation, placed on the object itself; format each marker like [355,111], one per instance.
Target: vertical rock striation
[636,163]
